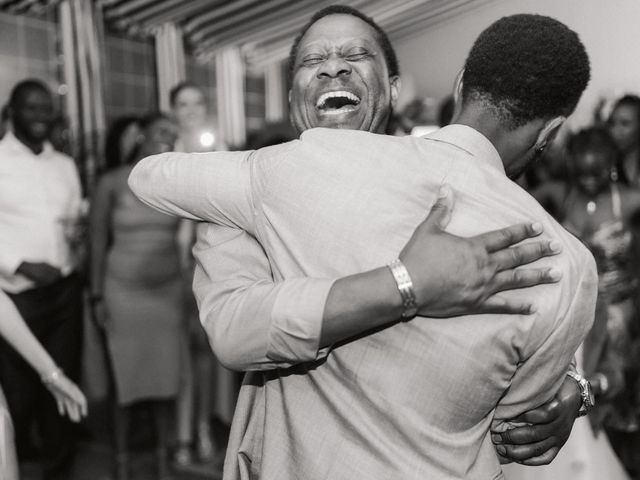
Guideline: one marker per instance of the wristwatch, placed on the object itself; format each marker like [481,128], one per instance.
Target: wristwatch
[588,401]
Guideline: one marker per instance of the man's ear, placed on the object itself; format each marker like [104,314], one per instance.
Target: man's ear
[394,86]
[548,132]
[457,87]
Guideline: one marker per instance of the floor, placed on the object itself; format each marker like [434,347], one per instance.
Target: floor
[95,455]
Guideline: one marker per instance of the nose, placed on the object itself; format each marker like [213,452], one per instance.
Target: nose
[333,67]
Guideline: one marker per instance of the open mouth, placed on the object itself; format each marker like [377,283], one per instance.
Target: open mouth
[334,103]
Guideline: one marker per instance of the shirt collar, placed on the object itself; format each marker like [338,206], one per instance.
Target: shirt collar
[12,141]
[471,141]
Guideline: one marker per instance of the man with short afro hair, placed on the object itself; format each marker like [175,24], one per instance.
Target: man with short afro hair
[526,67]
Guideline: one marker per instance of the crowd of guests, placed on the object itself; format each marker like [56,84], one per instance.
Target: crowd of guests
[140,269]
[120,263]
[589,182]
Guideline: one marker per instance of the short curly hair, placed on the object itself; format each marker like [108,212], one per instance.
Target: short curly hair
[526,67]
[23,87]
[593,139]
[387,50]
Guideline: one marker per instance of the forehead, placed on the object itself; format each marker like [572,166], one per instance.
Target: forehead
[625,111]
[189,94]
[337,29]
[33,95]
[594,159]
[161,124]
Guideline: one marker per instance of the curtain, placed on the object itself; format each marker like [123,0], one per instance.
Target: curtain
[230,95]
[82,40]
[274,92]
[169,61]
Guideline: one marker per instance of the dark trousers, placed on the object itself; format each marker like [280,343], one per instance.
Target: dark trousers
[54,315]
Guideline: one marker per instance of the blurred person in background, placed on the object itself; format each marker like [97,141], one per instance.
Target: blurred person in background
[601,210]
[69,399]
[624,126]
[598,210]
[40,210]
[123,136]
[196,401]
[196,129]
[137,295]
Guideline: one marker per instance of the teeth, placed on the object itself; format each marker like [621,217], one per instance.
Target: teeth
[325,96]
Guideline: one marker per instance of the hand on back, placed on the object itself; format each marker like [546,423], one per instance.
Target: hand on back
[458,276]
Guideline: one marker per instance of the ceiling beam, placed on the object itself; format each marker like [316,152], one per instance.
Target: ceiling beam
[177,12]
[236,5]
[123,10]
[247,14]
[262,29]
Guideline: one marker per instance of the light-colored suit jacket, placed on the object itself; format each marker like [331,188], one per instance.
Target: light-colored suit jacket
[415,400]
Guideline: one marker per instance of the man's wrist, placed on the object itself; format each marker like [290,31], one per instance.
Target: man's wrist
[405,288]
[585,395]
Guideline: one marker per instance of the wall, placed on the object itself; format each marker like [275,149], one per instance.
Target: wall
[609,30]
[130,76]
[27,50]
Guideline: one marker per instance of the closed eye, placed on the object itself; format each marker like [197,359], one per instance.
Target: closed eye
[356,54]
[312,60]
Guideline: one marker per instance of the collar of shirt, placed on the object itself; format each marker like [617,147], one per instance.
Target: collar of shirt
[471,141]
[11,141]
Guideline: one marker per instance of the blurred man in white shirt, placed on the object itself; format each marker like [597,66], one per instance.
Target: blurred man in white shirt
[40,199]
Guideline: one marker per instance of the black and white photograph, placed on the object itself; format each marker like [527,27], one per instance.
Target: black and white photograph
[319,240]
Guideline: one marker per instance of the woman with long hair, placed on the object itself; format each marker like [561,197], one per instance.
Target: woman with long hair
[194,407]
[137,295]
[624,127]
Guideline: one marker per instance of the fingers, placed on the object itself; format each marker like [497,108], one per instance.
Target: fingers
[506,237]
[440,213]
[543,415]
[72,411]
[81,401]
[525,435]
[60,404]
[496,304]
[544,459]
[521,453]
[508,258]
[524,277]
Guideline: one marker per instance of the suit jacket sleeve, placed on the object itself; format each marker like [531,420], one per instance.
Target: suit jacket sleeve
[549,354]
[213,187]
[253,322]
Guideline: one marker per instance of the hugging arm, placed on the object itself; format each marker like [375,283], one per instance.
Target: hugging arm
[256,323]
[543,370]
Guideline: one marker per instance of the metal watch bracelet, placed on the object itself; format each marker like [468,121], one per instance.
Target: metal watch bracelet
[405,287]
